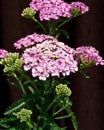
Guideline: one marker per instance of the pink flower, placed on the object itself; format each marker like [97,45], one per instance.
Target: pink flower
[54,9]
[88,54]
[3,53]
[81,7]
[31,40]
[49,58]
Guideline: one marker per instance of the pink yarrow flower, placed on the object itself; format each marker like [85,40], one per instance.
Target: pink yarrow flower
[54,9]
[31,40]
[81,7]
[3,53]
[50,58]
[88,54]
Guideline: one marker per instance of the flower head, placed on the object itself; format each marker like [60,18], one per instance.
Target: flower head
[87,56]
[80,7]
[49,58]
[28,12]
[62,89]
[23,114]
[11,62]
[54,9]
[31,40]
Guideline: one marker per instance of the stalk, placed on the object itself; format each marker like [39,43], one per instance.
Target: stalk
[39,23]
[61,109]
[20,83]
[62,117]
[29,79]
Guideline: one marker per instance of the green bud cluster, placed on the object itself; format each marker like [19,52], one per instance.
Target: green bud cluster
[62,89]
[23,114]
[11,62]
[28,12]
[76,12]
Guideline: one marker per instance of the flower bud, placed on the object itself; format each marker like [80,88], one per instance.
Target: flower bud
[62,89]
[23,114]
[11,62]
[28,12]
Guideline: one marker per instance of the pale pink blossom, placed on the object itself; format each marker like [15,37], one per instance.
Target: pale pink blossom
[50,58]
[54,9]
[31,40]
[3,53]
[88,54]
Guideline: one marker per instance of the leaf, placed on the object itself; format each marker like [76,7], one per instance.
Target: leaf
[26,84]
[15,107]
[11,123]
[66,103]
[5,122]
[73,119]
[20,103]
[84,74]
[31,89]
[66,34]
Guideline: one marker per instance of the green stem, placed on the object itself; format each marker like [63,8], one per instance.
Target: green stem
[50,28]
[67,20]
[20,83]
[61,109]
[29,79]
[50,105]
[62,117]
[29,124]
[54,29]
[86,76]
[39,23]
[57,35]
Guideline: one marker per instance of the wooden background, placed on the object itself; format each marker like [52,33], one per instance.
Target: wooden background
[87,94]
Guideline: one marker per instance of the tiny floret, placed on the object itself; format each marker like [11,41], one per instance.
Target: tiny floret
[3,53]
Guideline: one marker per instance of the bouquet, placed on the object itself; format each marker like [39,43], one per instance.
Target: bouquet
[42,66]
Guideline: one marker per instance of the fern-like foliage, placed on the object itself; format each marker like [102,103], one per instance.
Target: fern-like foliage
[66,103]
[19,104]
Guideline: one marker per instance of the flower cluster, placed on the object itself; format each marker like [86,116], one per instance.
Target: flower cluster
[28,12]
[31,40]
[45,56]
[11,62]
[54,9]
[50,58]
[88,55]
[62,89]
[23,114]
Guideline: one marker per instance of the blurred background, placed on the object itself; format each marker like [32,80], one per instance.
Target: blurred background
[88,29]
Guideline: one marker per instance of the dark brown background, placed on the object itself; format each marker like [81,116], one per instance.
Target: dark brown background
[87,94]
